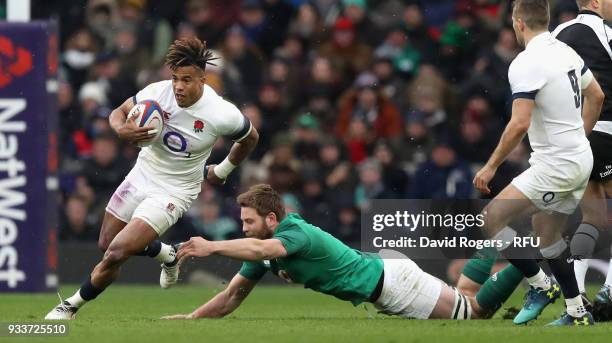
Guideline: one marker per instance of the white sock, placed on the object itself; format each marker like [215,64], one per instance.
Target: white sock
[540,280]
[609,277]
[580,269]
[166,254]
[575,308]
[76,299]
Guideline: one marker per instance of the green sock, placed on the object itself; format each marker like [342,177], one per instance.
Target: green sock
[496,290]
[478,268]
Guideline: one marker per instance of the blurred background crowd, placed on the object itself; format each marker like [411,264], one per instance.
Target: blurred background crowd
[354,100]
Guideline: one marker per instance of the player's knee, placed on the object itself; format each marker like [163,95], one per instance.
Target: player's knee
[115,256]
[491,221]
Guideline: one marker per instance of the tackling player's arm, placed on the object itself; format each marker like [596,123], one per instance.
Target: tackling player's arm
[591,107]
[513,135]
[244,249]
[125,128]
[223,303]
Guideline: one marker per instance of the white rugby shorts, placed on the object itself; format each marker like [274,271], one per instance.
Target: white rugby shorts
[140,196]
[554,184]
[408,291]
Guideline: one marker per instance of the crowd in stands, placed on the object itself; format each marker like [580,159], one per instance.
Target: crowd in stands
[354,100]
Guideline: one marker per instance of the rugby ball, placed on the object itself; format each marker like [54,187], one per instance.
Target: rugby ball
[148,113]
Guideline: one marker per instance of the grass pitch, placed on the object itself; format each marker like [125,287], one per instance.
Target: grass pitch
[272,314]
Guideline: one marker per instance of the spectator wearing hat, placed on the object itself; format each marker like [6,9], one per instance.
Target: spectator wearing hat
[367,31]
[307,24]
[306,137]
[91,96]
[428,93]
[418,33]
[390,84]
[443,176]
[102,18]
[364,104]
[405,57]
[460,43]
[479,131]
[347,55]
[417,142]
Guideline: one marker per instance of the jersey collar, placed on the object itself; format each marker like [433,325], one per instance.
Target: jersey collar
[287,221]
[589,12]
[539,39]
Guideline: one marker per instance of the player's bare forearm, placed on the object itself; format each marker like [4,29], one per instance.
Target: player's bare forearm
[118,115]
[591,109]
[219,306]
[249,249]
[514,133]
[227,301]
[245,249]
[240,150]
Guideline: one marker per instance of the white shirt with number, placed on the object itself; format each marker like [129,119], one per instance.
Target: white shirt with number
[553,75]
[178,157]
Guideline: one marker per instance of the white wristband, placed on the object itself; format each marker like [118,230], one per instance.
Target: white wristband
[223,169]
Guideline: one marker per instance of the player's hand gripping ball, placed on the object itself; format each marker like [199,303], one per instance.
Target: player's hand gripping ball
[148,114]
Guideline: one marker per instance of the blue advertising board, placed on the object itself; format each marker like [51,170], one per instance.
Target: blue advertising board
[28,160]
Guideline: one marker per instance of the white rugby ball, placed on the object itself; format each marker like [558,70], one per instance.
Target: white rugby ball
[148,113]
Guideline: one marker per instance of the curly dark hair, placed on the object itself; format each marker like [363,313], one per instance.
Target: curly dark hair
[189,52]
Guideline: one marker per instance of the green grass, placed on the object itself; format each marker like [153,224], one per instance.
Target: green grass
[272,314]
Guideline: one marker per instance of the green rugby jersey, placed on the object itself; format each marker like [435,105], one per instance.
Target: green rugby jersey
[320,262]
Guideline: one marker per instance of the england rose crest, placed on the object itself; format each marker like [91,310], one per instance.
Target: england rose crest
[198,126]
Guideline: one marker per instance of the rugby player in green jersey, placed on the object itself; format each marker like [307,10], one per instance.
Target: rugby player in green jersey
[299,252]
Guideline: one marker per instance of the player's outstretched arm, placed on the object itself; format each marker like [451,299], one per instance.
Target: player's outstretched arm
[223,303]
[125,128]
[244,249]
[240,150]
[513,135]
[591,108]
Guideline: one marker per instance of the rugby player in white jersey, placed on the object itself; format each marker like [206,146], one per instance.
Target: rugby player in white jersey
[548,80]
[168,173]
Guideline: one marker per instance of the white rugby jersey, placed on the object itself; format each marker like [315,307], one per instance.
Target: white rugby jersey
[178,157]
[552,74]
